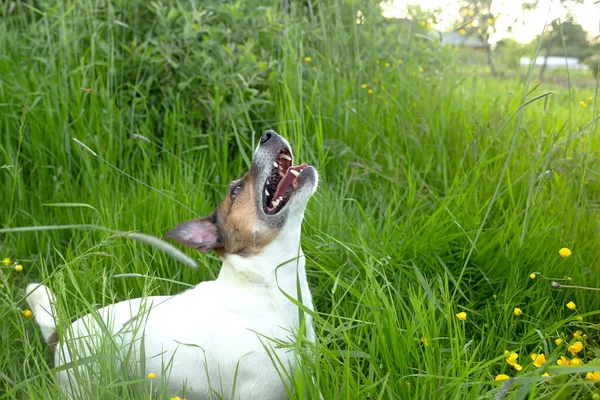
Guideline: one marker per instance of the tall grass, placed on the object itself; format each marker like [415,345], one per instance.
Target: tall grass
[441,191]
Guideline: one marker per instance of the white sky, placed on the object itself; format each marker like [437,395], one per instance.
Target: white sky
[528,23]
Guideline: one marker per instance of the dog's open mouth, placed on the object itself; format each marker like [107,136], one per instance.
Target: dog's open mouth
[281,182]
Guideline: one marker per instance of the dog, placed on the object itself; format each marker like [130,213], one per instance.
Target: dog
[222,338]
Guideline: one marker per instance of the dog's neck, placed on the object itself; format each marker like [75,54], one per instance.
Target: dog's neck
[279,267]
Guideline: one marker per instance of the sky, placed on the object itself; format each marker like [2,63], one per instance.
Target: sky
[529,23]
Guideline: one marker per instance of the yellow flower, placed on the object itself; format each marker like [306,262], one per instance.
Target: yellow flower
[175,398]
[422,23]
[576,347]
[502,377]
[563,361]
[517,311]
[465,11]
[6,261]
[462,32]
[370,91]
[538,359]
[583,103]
[489,21]
[307,59]
[593,376]
[425,341]
[471,23]
[590,98]
[27,313]
[18,268]
[571,305]
[564,252]
[387,64]
[558,341]
[545,374]
[577,334]
[471,13]
[151,375]
[400,61]
[428,26]
[364,86]
[575,361]
[461,315]
[421,69]
[512,361]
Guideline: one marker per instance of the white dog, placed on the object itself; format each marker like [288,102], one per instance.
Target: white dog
[222,338]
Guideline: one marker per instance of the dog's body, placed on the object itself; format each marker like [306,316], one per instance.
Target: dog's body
[225,336]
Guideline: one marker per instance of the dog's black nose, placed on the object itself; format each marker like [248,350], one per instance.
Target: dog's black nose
[267,136]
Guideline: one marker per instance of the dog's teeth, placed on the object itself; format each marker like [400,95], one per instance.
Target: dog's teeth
[294,172]
[280,198]
[275,164]
[266,192]
[286,157]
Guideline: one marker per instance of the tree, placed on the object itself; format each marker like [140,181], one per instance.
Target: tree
[476,19]
[565,39]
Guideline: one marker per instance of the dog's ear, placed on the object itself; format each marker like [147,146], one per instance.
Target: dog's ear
[201,234]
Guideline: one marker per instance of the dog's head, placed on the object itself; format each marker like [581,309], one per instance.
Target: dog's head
[257,206]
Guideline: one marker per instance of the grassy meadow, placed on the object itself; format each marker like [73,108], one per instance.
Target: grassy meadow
[443,190]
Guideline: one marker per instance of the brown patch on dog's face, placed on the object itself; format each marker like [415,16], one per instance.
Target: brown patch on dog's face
[239,224]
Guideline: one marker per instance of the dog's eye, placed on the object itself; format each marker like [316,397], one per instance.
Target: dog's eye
[235,191]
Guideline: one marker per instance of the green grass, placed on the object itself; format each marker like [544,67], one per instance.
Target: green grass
[439,192]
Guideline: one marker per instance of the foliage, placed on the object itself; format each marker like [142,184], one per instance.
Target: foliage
[442,190]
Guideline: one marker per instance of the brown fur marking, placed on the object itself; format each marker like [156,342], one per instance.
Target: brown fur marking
[238,222]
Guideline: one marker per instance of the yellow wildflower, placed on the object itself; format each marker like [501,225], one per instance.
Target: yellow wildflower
[364,86]
[425,341]
[422,23]
[151,375]
[545,374]
[577,334]
[6,261]
[175,398]
[18,268]
[575,361]
[590,98]
[461,315]
[471,23]
[538,359]
[462,32]
[564,252]
[489,21]
[558,341]
[583,103]
[421,69]
[571,305]
[502,377]
[517,311]
[512,361]
[400,61]
[27,313]
[563,361]
[576,347]
[370,91]
[307,59]
[593,376]
[428,26]
[532,275]
[387,64]
[465,11]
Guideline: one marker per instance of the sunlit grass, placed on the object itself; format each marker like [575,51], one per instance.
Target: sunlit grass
[442,190]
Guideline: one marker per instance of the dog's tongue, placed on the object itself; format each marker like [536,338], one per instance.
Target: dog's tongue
[288,180]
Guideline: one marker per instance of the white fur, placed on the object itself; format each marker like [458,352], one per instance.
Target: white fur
[200,337]
[39,299]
